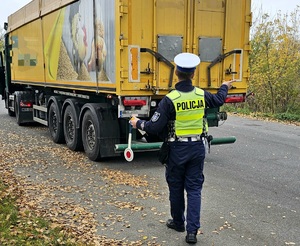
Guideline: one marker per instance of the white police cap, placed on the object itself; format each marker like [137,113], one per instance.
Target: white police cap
[186,62]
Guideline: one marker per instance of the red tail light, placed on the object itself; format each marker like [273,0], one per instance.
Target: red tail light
[236,98]
[134,102]
[25,104]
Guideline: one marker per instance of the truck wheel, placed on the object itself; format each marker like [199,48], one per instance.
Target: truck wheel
[71,132]
[90,136]
[17,112]
[55,127]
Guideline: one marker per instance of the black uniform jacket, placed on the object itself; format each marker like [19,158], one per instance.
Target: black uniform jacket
[165,112]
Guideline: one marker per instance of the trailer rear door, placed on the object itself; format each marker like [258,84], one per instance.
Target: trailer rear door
[208,28]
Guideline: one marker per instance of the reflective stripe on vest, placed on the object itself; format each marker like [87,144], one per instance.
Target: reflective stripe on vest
[189,107]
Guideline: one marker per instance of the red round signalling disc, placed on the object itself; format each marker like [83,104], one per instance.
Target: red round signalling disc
[128,154]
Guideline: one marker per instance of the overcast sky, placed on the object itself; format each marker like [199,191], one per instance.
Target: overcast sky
[268,6]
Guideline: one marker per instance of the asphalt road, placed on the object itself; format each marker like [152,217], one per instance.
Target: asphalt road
[251,194]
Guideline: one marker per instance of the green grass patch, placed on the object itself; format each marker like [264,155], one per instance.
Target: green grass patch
[235,109]
[285,117]
[288,117]
[18,228]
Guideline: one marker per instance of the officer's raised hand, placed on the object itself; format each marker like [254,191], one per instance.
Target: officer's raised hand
[229,83]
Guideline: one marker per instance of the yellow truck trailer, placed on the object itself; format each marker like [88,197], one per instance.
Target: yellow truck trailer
[82,68]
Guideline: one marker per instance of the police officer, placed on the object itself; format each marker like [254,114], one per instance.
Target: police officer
[179,120]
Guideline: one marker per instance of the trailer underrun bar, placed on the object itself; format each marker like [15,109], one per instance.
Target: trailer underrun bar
[140,146]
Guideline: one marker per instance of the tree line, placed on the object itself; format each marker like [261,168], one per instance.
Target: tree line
[275,63]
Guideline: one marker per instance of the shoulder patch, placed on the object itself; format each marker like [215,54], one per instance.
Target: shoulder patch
[155,117]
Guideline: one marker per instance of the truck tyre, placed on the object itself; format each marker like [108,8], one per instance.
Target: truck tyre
[55,126]
[90,136]
[17,112]
[71,132]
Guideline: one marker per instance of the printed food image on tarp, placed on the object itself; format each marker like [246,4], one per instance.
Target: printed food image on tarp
[79,48]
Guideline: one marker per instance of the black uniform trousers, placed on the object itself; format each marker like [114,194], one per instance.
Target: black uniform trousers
[184,172]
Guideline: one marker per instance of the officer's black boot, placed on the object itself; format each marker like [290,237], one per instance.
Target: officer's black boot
[170,223]
[191,238]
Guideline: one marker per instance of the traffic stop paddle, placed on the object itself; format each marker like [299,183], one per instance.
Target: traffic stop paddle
[128,153]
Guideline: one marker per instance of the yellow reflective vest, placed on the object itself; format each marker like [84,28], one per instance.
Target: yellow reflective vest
[189,107]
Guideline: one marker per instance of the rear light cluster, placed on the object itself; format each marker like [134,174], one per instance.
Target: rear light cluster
[26,104]
[133,105]
[134,102]
[236,98]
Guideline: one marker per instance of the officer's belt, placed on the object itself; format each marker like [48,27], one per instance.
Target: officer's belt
[185,139]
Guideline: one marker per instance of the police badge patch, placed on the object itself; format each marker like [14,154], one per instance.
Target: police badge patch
[155,117]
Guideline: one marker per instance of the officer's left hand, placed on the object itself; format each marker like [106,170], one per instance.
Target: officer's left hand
[133,121]
[228,83]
